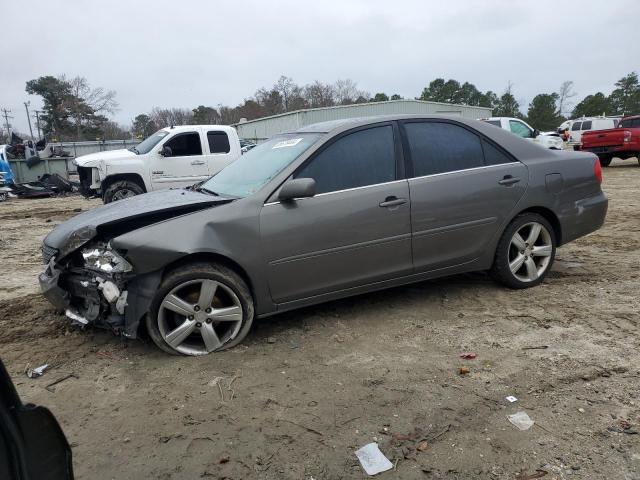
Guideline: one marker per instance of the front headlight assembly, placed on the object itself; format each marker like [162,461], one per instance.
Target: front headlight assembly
[104,259]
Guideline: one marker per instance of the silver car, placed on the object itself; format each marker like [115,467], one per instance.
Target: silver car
[331,210]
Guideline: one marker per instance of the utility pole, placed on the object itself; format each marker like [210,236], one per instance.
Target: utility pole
[5,114]
[26,107]
[37,112]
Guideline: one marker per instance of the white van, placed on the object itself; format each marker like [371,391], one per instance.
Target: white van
[589,123]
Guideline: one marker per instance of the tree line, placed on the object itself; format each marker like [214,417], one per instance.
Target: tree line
[73,110]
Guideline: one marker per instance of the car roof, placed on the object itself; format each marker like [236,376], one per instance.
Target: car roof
[181,128]
[347,123]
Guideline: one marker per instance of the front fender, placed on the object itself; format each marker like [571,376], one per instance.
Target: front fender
[230,230]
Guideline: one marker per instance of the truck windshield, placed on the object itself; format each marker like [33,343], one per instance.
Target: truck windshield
[148,143]
[255,168]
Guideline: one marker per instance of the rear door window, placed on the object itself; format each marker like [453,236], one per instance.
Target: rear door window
[218,142]
[437,147]
[365,157]
[494,156]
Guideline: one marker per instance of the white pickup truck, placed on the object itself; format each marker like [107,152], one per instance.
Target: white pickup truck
[523,129]
[172,157]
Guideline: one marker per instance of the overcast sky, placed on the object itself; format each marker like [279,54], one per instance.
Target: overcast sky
[187,53]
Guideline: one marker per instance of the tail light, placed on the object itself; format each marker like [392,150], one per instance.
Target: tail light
[597,170]
[627,136]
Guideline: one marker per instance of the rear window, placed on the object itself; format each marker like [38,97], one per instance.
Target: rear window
[586,125]
[493,122]
[630,123]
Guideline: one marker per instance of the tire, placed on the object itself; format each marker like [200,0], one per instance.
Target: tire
[542,252]
[229,313]
[121,189]
[605,160]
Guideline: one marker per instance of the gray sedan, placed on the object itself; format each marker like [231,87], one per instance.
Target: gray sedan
[331,210]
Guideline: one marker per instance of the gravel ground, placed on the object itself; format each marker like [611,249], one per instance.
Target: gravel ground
[310,387]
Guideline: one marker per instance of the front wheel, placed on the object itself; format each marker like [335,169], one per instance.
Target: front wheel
[525,252]
[120,190]
[199,309]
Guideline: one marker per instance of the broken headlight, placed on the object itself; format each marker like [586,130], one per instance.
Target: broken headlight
[105,260]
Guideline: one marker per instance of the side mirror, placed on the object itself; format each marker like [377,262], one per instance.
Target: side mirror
[535,133]
[166,151]
[297,188]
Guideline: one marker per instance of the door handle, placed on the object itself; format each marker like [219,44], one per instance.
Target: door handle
[197,162]
[508,180]
[393,201]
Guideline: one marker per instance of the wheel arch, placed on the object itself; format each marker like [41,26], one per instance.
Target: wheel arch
[548,215]
[211,257]
[116,177]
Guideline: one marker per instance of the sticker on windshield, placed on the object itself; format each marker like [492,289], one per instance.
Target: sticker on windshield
[287,143]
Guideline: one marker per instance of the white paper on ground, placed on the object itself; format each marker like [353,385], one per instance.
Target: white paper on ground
[511,398]
[521,420]
[372,459]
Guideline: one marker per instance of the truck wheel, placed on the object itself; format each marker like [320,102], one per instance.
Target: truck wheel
[605,160]
[200,308]
[525,252]
[120,190]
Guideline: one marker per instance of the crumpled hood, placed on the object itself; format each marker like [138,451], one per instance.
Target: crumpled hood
[92,159]
[128,214]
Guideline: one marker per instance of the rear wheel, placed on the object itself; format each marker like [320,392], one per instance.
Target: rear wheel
[605,160]
[120,190]
[525,252]
[199,309]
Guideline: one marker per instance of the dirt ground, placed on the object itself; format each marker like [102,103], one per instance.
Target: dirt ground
[310,387]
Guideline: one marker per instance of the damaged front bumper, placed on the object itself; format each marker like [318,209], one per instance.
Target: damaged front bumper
[88,297]
[104,292]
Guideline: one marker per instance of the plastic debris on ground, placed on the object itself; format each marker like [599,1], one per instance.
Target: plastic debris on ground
[521,420]
[511,399]
[468,355]
[38,371]
[373,460]
[76,317]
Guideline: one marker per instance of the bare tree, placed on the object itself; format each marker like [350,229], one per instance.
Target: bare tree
[564,95]
[88,105]
[318,94]
[165,117]
[285,86]
[346,92]
[101,101]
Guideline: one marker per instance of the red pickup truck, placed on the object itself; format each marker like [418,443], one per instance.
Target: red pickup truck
[621,142]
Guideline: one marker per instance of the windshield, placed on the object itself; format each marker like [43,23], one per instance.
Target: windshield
[148,143]
[255,168]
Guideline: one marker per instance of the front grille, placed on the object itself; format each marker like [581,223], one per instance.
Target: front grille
[47,253]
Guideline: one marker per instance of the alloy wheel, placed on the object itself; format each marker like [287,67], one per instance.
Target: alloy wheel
[530,252]
[199,316]
[122,194]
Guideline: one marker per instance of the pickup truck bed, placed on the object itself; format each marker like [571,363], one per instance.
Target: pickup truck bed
[622,142]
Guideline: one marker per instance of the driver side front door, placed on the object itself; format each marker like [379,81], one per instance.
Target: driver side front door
[186,165]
